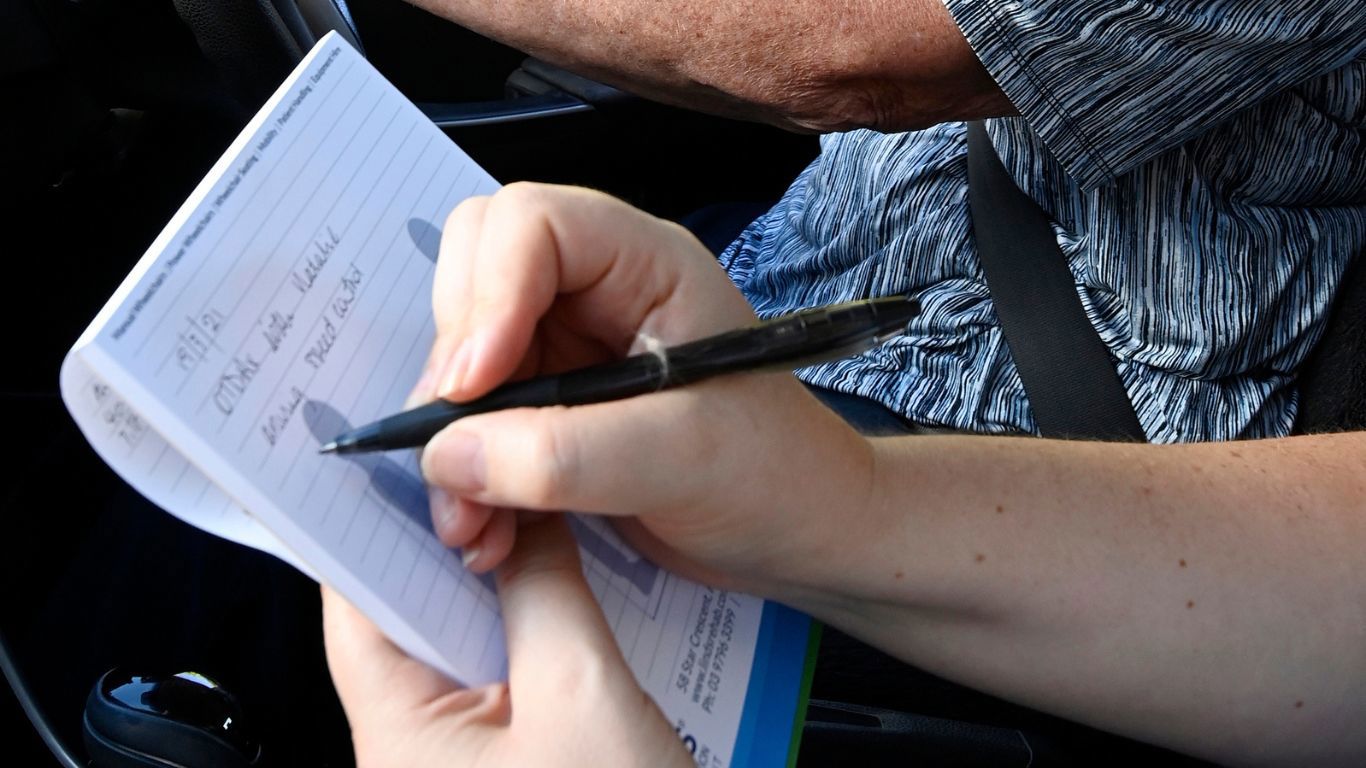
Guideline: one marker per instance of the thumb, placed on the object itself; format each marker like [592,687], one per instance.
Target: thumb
[650,452]
[556,631]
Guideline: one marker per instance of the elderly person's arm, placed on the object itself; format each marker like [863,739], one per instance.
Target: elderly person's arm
[821,65]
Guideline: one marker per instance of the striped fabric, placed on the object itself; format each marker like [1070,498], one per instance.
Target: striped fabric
[1204,164]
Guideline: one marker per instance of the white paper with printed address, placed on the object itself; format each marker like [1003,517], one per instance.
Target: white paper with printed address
[288,300]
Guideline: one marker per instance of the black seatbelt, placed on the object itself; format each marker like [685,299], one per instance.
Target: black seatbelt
[1071,382]
[1332,379]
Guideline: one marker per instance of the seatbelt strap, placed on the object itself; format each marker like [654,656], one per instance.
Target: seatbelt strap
[1071,382]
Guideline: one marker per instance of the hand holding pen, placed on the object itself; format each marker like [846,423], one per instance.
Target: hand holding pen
[720,478]
[801,338]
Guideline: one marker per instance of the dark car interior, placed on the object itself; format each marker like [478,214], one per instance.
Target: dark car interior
[116,110]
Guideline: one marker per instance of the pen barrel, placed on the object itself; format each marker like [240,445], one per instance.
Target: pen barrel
[631,376]
[792,341]
[782,343]
[613,381]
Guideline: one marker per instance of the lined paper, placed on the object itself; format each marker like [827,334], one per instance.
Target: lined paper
[289,300]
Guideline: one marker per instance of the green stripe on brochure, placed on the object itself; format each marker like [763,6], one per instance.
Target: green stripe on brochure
[813,645]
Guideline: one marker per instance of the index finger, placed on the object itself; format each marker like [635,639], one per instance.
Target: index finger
[537,242]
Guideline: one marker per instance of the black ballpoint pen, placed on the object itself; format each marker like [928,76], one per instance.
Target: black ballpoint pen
[789,341]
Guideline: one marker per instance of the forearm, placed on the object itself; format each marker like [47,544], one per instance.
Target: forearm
[1209,597]
[808,64]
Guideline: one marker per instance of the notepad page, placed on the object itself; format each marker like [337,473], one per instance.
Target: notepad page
[295,300]
[289,300]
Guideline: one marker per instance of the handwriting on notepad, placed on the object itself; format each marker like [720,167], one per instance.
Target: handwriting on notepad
[276,328]
[122,421]
[322,249]
[329,329]
[346,295]
[275,325]
[338,309]
[232,384]
[280,416]
[198,338]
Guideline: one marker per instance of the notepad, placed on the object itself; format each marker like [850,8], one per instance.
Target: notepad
[289,299]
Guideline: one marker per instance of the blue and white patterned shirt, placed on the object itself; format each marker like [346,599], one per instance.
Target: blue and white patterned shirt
[1204,165]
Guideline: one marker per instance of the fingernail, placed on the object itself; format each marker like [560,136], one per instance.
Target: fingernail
[443,510]
[454,372]
[469,555]
[423,389]
[462,457]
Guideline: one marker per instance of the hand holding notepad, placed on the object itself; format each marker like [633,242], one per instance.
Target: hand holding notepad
[404,714]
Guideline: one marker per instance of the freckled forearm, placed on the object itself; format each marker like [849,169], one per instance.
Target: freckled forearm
[808,64]
[1211,598]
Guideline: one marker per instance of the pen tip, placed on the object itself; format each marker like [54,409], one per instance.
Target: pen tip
[329,448]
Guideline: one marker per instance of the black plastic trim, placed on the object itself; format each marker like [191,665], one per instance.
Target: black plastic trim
[506,111]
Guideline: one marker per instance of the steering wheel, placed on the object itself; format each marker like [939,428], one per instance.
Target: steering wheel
[255,43]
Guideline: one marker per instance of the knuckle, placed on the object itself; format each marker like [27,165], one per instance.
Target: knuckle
[588,674]
[532,572]
[552,461]
[463,215]
[521,194]
[518,200]
[582,672]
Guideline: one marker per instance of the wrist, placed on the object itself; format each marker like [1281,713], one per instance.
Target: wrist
[879,552]
[824,517]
